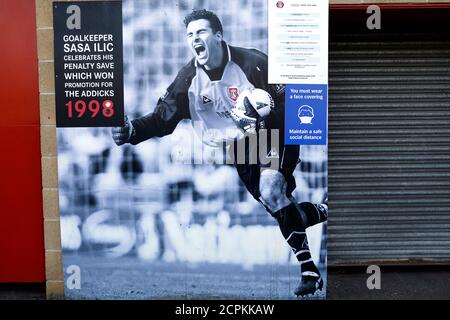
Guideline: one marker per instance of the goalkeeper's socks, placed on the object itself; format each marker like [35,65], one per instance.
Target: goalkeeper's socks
[307,266]
[315,213]
[293,229]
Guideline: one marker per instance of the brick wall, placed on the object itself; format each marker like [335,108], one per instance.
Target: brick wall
[53,257]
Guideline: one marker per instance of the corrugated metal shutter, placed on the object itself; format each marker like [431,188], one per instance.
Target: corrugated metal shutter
[389,152]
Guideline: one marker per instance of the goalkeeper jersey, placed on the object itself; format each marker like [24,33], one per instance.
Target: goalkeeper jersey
[206,99]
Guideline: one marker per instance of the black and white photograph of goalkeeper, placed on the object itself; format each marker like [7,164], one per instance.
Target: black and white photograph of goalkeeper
[196,196]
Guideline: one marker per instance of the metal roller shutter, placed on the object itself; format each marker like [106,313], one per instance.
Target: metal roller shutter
[389,151]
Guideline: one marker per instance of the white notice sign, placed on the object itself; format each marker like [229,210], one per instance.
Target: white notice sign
[298,41]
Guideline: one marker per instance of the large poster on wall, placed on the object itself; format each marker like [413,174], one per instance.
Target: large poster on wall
[176,179]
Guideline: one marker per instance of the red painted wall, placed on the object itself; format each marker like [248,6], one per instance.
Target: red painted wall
[21,218]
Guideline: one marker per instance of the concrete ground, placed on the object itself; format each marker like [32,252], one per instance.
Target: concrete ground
[22,291]
[397,283]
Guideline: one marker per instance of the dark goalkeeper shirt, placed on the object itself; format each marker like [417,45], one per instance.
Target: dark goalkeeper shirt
[206,97]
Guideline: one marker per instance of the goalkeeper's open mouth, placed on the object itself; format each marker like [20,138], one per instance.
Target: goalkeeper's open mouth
[200,50]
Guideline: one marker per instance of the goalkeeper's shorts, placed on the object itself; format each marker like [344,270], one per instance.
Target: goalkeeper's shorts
[286,158]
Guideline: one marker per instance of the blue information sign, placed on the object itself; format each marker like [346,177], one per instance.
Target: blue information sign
[306,114]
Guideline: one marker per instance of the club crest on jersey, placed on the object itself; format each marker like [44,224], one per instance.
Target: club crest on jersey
[233,93]
[206,100]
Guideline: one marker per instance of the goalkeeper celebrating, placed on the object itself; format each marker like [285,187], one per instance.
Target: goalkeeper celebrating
[206,91]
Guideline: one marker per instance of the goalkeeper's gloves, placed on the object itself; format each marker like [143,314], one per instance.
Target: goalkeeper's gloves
[246,117]
[122,135]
